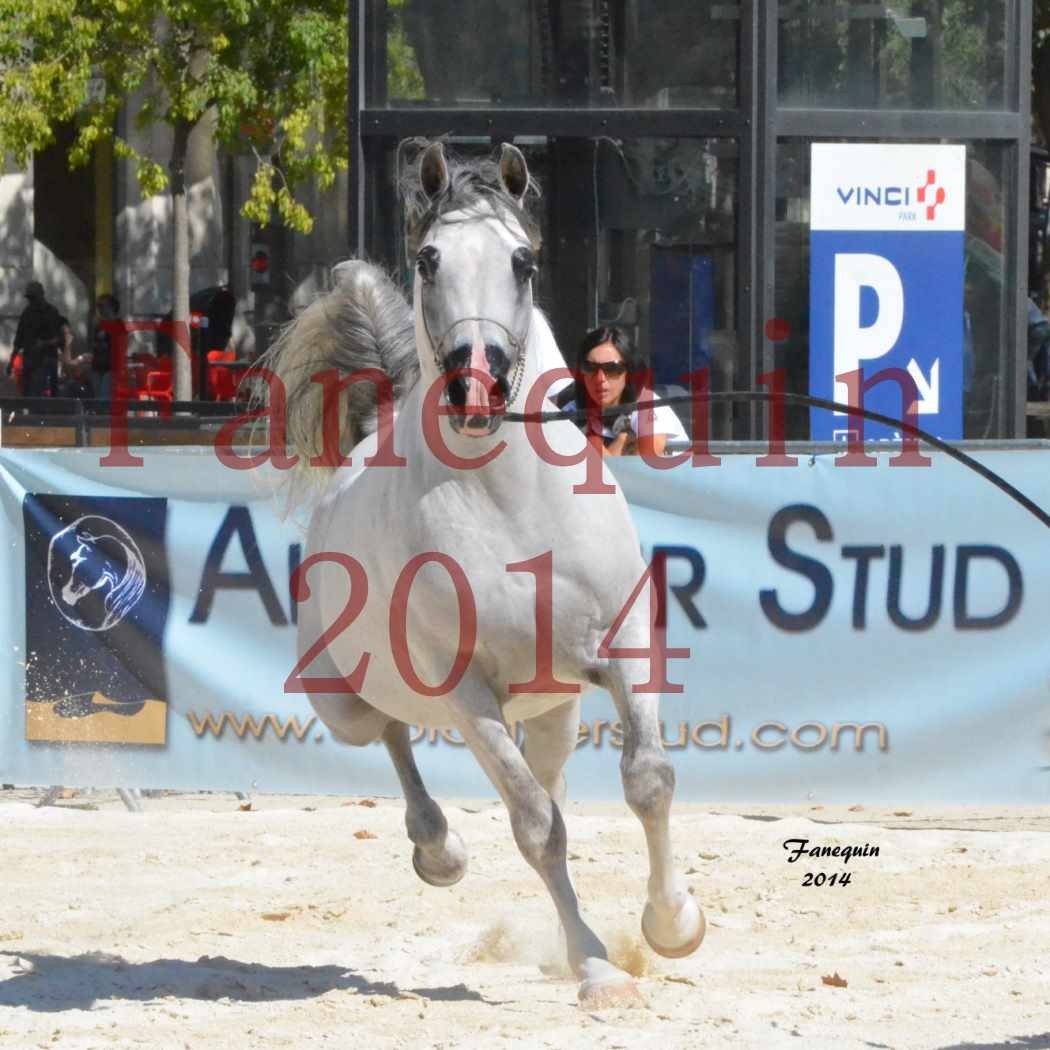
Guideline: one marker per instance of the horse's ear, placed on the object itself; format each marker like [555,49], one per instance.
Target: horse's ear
[513,171]
[433,171]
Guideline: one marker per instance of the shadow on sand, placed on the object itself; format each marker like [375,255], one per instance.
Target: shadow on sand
[50,983]
[1022,1042]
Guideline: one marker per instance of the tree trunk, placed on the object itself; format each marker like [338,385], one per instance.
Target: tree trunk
[180,229]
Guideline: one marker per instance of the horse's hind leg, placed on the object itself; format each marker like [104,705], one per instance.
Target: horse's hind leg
[550,739]
[540,834]
[349,718]
[439,857]
[672,922]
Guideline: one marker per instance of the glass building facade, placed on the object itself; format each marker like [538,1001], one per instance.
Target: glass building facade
[671,140]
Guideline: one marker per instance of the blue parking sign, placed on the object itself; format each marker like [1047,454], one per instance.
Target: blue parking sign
[887,249]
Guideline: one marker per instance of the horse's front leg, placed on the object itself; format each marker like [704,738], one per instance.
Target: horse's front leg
[672,922]
[439,857]
[539,831]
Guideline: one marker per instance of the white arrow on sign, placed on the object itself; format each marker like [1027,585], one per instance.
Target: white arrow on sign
[929,392]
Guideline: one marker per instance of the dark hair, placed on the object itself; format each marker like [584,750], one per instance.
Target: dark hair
[111,299]
[633,358]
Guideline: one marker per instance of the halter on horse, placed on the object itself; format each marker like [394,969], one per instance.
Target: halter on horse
[472,545]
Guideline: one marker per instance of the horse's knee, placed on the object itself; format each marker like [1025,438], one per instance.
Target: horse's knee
[539,832]
[648,783]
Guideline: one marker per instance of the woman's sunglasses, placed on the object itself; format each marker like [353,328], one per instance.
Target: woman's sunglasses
[612,369]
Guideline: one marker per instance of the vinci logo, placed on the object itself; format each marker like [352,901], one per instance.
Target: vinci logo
[864,186]
[927,196]
[930,195]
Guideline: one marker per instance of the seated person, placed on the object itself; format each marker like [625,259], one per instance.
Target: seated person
[609,368]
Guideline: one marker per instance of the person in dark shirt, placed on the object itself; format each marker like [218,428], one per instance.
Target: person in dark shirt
[107,308]
[40,337]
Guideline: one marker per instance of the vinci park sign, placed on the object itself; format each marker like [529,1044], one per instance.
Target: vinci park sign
[888,234]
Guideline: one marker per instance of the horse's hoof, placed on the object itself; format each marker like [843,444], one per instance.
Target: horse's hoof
[679,937]
[604,987]
[444,866]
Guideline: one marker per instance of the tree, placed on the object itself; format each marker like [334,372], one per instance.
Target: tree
[272,74]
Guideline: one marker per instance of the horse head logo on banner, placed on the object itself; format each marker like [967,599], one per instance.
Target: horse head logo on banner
[96,573]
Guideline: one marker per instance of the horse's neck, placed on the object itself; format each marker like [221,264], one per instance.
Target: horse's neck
[543,351]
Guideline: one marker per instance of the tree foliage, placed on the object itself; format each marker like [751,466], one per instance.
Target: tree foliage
[273,73]
[404,79]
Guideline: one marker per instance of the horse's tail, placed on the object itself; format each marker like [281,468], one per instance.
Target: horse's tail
[364,322]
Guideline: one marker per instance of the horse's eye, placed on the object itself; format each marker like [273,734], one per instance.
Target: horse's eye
[524,263]
[427,262]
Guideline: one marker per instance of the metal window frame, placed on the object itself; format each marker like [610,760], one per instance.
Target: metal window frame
[756,124]
[553,123]
[1010,127]
[1019,72]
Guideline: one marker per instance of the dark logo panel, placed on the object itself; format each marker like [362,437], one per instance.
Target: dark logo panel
[97,599]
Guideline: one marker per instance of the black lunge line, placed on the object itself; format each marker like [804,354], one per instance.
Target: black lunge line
[798,399]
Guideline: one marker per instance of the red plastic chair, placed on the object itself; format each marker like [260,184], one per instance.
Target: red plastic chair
[133,386]
[160,385]
[221,382]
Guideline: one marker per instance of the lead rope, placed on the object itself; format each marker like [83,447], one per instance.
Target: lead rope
[577,415]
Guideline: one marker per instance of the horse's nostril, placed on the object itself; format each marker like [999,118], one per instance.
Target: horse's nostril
[498,361]
[457,392]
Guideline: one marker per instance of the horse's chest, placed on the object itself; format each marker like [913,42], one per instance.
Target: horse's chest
[451,566]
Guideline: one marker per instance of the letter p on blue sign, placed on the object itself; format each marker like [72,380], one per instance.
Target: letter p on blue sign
[886,281]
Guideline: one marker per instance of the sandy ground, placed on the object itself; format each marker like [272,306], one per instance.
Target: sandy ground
[301,924]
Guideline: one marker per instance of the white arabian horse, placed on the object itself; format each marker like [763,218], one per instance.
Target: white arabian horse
[474,246]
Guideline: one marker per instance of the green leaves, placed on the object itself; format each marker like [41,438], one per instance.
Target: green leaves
[273,73]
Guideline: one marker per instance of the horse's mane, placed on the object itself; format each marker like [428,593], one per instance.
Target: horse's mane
[125,595]
[109,547]
[363,323]
[474,188]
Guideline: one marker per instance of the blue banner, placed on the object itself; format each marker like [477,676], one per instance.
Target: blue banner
[869,635]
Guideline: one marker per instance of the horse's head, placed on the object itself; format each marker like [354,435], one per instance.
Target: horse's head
[90,571]
[475,260]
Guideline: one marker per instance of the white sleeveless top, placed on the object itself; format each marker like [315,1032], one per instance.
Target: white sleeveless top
[664,421]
